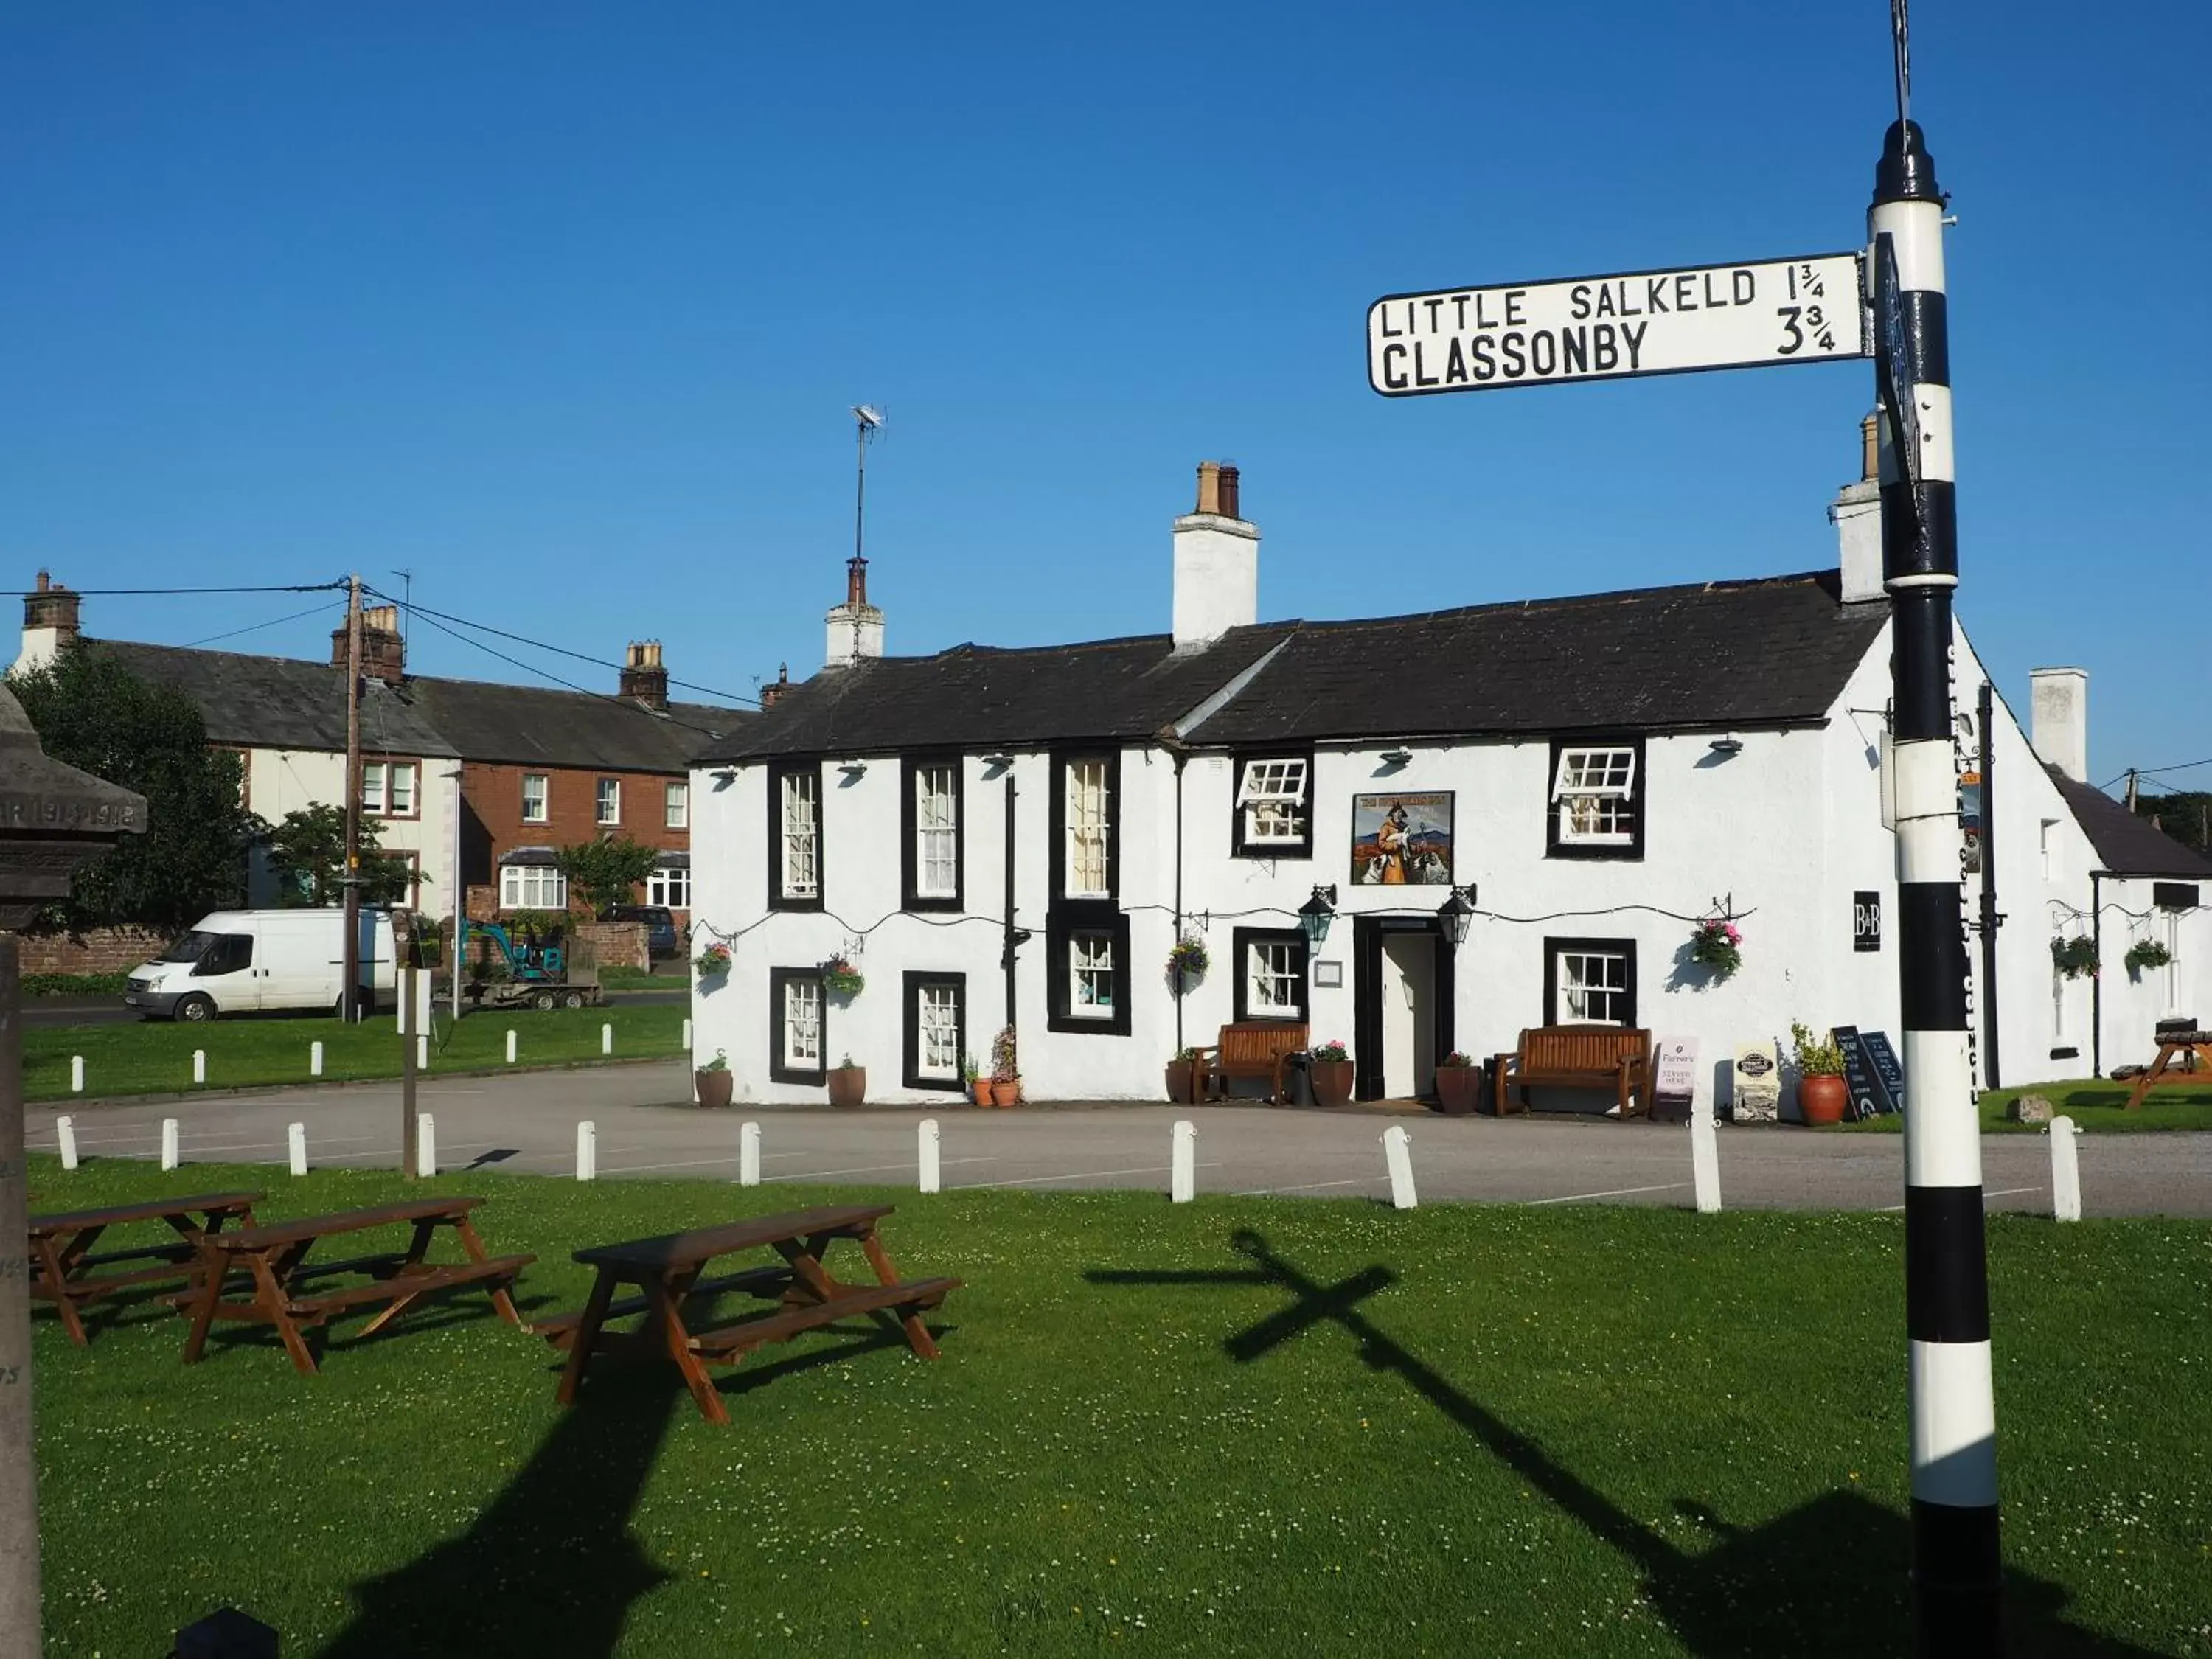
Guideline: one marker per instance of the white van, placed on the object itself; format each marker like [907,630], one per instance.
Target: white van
[238,961]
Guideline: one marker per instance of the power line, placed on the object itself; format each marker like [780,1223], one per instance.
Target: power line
[252,628]
[2153,771]
[558,650]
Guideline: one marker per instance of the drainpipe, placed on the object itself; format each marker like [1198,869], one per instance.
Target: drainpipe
[1990,920]
[2097,979]
[1181,761]
[1011,936]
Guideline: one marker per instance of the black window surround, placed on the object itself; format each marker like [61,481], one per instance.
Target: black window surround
[1242,940]
[910,1058]
[1633,849]
[1238,847]
[1553,950]
[910,769]
[777,772]
[778,978]
[1063,922]
[1061,760]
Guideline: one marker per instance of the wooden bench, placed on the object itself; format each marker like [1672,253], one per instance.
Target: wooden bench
[1577,1057]
[2185,1059]
[284,1292]
[1255,1047]
[769,1283]
[63,1260]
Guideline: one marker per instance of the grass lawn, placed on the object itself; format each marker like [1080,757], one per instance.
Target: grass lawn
[1500,1431]
[2099,1107]
[154,1056]
[672,976]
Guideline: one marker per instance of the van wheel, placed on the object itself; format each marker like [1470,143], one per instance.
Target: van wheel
[196,1008]
[572,999]
[542,1001]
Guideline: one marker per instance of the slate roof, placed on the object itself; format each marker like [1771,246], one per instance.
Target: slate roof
[2127,845]
[282,702]
[1765,652]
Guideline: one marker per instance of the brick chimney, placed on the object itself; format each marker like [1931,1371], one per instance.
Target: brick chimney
[1217,562]
[771,695]
[383,653]
[50,622]
[643,678]
[1857,515]
[854,629]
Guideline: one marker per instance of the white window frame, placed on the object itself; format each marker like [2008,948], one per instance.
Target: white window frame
[799,853]
[1591,789]
[1090,968]
[2054,855]
[1271,798]
[400,794]
[606,802]
[676,807]
[1573,993]
[937,831]
[372,787]
[544,791]
[1274,980]
[669,885]
[937,1043]
[532,887]
[801,1024]
[1088,814]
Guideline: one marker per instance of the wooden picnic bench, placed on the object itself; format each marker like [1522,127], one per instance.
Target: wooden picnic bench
[286,1289]
[63,1260]
[1612,1057]
[667,1270]
[1251,1048]
[2185,1058]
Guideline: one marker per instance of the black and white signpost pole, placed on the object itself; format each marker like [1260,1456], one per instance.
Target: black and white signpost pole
[1956,1604]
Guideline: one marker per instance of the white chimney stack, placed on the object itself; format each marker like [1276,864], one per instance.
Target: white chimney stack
[853,629]
[2059,719]
[1857,515]
[1217,562]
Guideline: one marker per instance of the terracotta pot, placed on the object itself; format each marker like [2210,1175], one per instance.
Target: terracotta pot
[713,1087]
[1331,1082]
[1821,1099]
[979,1090]
[1008,1093]
[848,1084]
[1180,1077]
[1458,1088]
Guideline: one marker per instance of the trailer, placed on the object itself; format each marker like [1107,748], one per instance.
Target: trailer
[529,974]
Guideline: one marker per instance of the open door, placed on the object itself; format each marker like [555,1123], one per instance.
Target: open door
[1402,994]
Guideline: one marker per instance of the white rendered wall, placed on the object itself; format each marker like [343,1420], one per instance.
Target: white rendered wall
[282,781]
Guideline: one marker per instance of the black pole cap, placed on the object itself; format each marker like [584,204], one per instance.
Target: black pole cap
[1906,171]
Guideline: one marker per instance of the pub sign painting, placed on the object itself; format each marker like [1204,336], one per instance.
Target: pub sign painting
[1402,840]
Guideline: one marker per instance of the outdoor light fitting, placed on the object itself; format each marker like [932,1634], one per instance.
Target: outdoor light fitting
[1726,745]
[1456,913]
[1000,761]
[853,768]
[1316,915]
[1396,757]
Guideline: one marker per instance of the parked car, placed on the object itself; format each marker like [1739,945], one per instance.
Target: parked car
[661,938]
[238,962]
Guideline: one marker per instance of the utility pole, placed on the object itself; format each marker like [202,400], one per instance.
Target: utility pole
[1956,1588]
[411,1122]
[2131,789]
[350,992]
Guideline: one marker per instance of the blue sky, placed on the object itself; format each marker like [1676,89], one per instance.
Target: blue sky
[562,307]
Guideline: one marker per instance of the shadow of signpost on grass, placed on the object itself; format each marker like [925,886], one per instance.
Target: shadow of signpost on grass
[1828,1578]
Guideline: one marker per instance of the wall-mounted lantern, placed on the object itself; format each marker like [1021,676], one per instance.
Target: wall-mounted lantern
[1456,913]
[1316,915]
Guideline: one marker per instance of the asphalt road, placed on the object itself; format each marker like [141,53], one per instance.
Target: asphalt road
[528,1122]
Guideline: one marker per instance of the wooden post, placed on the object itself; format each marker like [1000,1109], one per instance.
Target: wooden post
[295,1138]
[749,1155]
[170,1158]
[2065,1170]
[350,876]
[1398,1154]
[409,1127]
[587,1151]
[65,1132]
[1182,1176]
[1704,1160]
[926,1134]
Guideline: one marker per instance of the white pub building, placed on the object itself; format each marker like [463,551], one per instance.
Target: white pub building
[1415,834]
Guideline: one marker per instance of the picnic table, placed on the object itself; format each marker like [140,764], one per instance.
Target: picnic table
[63,1260]
[2180,1056]
[286,1288]
[667,1270]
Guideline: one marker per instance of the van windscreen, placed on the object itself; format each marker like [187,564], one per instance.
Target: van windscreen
[191,948]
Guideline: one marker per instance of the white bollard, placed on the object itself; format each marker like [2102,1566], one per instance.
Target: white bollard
[199,1065]
[1398,1153]
[65,1132]
[606,1039]
[1704,1160]
[425,1019]
[926,1135]
[587,1151]
[295,1137]
[170,1158]
[315,1058]
[2065,1170]
[749,1155]
[1182,1176]
[687,1036]
[510,1045]
[422,1051]
[426,1145]
[76,1074]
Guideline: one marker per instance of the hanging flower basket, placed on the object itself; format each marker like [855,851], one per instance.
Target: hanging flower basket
[2146,953]
[1188,963]
[840,979]
[1717,943]
[2075,959]
[713,961]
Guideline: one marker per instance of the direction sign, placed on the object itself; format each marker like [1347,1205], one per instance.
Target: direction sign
[1604,328]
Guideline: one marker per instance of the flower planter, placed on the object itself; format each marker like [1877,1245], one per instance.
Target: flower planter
[713,1087]
[1007,1092]
[1458,1088]
[1821,1100]
[1331,1082]
[848,1085]
[979,1090]
[1182,1075]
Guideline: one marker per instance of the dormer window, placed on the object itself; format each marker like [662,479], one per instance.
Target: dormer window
[1274,806]
[1597,800]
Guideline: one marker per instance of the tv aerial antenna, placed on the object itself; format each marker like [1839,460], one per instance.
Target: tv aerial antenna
[867,422]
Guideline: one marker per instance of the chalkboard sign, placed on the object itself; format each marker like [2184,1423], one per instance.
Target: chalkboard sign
[1860,1100]
[1888,1075]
